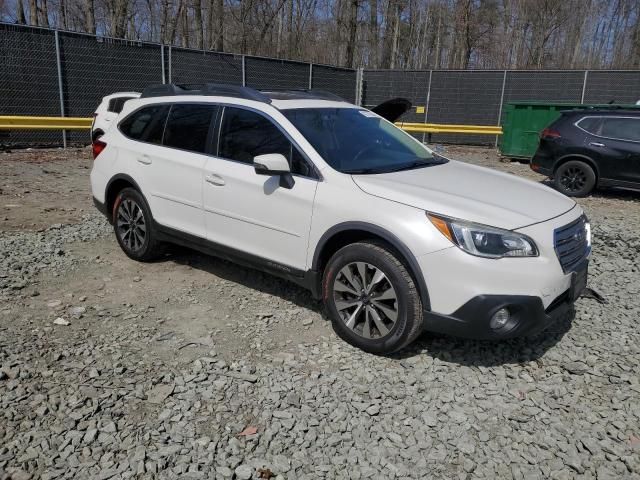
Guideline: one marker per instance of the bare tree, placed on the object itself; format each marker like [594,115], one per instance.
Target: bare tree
[394,34]
[353,31]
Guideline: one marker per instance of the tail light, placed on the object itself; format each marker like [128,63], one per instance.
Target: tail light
[97,147]
[549,133]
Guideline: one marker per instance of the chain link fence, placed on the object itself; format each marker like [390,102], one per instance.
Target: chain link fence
[478,97]
[52,73]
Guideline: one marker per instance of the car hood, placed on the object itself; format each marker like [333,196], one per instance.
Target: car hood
[469,192]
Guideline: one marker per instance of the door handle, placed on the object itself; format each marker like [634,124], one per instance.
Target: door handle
[214,179]
[596,144]
[144,159]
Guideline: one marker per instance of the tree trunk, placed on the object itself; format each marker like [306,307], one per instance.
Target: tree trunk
[20,18]
[197,17]
[90,16]
[33,12]
[373,33]
[353,31]
[290,46]
[220,29]
[44,13]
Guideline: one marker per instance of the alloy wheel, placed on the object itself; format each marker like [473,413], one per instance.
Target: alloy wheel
[365,299]
[131,225]
[573,179]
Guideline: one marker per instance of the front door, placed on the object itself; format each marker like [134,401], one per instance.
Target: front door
[254,213]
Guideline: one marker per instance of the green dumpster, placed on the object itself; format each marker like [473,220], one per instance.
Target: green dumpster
[522,123]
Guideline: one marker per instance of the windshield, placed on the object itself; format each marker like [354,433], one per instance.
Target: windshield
[359,141]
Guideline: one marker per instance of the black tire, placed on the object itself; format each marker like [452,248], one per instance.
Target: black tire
[575,178]
[133,226]
[406,307]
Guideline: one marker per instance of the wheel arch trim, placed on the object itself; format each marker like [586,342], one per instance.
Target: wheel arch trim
[114,179]
[393,240]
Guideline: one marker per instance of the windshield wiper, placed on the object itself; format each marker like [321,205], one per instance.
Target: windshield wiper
[416,164]
[361,171]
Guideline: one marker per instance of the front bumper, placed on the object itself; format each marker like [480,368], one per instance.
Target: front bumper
[528,316]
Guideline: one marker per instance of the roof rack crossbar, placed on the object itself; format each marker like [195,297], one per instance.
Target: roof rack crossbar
[214,89]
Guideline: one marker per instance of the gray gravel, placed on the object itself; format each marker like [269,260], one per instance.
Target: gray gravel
[252,383]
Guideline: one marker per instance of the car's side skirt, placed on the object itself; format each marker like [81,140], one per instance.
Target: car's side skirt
[307,279]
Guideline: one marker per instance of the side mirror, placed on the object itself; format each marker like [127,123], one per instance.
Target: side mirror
[271,164]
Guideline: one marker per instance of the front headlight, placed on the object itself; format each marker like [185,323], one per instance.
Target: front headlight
[482,240]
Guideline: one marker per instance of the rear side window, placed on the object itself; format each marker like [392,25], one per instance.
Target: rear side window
[591,124]
[245,134]
[116,104]
[188,127]
[146,124]
[621,128]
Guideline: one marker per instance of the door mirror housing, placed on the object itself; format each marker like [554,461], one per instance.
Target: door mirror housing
[271,164]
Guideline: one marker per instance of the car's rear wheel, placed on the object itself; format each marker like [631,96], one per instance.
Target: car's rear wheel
[575,178]
[133,226]
[371,298]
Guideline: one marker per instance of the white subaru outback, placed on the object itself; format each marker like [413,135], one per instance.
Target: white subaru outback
[394,238]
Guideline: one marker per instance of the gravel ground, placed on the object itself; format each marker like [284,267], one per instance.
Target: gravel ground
[192,367]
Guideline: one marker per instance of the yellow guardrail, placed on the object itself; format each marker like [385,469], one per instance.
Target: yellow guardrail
[19,122]
[448,128]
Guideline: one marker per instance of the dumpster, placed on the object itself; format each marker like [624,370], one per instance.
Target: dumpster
[522,123]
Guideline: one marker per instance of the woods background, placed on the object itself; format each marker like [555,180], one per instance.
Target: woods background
[401,34]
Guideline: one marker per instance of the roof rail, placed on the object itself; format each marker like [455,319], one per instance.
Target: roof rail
[214,89]
[299,93]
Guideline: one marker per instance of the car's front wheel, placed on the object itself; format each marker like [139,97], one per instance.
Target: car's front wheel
[575,178]
[133,226]
[371,298]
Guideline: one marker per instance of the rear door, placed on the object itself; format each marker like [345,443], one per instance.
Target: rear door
[167,151]
[254,213]
[618,143]
[176,169]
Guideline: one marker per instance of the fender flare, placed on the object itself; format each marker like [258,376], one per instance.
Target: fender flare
[393,240]
[112,180]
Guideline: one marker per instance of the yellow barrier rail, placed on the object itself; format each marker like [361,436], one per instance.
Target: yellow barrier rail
[449,128]
[19,122]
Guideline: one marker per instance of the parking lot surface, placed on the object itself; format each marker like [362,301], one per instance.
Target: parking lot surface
[192,367]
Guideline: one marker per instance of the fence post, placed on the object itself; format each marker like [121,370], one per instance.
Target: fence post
[359,80]
[310,76]
[504,82]
[426,107]
[244,72]
[164,80]
[170,62]
[60,91]
[584,85]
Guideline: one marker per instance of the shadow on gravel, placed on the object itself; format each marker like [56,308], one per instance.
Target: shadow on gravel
[481,353]
[250,278]
[444,348]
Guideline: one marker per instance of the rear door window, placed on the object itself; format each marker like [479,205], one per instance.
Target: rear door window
[146,124]
[591,124]
[245,134]
[188,126]
[621,128]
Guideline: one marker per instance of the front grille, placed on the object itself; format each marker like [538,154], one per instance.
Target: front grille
[571,244]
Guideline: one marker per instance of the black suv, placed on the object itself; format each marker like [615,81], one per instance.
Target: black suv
[588,148]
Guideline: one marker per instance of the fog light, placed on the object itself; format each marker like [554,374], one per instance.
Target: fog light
[499,319]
